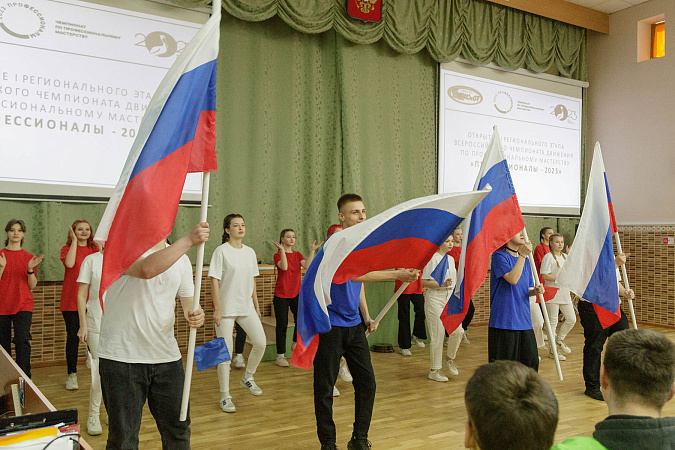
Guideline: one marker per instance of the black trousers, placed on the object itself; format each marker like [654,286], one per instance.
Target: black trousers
[419,329]
[126,387]
[72,320]
[513,345]
[281,306]
[239,339]
[469,316]
[21,322]
[594,341]
[352,344]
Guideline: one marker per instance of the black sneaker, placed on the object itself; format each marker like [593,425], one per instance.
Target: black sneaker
[329,447]
[595,394]
[358,444]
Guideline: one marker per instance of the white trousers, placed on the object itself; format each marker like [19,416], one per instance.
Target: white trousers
[537,321]
[95,393]
[570,318]
[254,330]
[433,309]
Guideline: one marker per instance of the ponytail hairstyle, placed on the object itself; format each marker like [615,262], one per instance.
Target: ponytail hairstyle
[555,235]
[226,225]
[541,233]
[90,240]
[9,226]
[283,233]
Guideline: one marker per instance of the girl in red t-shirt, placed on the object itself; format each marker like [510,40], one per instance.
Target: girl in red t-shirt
[79,245]
[287,288]
[17,280]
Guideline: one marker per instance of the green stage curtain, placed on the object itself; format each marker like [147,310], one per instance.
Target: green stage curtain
[477,30]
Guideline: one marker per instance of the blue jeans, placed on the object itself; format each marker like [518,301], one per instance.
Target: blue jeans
[125,390]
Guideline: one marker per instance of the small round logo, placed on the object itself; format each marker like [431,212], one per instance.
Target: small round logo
[503,102]
[465,95]
[160,44]
[21,20]
[563,114]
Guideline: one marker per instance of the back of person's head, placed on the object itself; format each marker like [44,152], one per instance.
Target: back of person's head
[348,198]
[510,406]
[640,365]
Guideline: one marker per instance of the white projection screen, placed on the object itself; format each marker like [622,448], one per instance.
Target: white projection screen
[75,80]
[539,121]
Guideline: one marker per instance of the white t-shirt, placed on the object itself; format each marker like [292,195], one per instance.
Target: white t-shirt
[235,268]
[549,266]
[439,294]
[137,325]
[90,273]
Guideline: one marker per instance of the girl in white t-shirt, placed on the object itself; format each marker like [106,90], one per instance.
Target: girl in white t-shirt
[440,267]
[89,313]
[232,270]
[550,266]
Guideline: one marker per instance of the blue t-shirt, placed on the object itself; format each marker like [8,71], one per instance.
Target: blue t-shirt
[344,309]
[509,304]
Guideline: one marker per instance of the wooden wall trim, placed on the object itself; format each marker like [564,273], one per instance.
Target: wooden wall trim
[563,11]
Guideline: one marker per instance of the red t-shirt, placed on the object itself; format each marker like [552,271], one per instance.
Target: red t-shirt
[413,288]
[70,284]
[539,253]
[15,295]
[288,281]
[455,252]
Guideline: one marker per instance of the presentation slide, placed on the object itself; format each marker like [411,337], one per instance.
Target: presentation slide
[540,133]
[75,80]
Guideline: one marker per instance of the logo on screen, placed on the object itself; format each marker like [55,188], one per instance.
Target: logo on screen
[563,114]
[160,44]
[503,102]
[21,20]
[465,95]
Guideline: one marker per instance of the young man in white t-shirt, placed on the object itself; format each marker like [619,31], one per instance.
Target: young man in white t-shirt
[138,354]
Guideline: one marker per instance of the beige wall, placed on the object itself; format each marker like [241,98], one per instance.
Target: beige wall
[631,110]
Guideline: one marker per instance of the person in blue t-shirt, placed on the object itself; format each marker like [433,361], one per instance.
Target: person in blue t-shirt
[510,333]
[347,338]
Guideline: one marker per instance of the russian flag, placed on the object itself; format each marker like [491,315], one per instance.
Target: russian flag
[492,224]
[406,235]
[589,270]
[176,136]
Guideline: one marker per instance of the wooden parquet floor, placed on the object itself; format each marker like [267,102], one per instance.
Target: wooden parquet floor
[411,412]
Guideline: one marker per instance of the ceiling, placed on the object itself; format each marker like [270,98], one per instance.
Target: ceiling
[607,6]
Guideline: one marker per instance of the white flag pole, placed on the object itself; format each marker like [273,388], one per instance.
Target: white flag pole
[195,302]
[551,336]
[391,301]
[625,281]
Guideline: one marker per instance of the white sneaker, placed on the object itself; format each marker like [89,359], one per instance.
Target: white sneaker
[564,348]
[545,337]
[561,357]
[451,366]
[345,374]
[252,387]
[465,339]
[336,393]
[281,361]
[406,352]
[71,382]
[435,375]
[94,426]
[226,405]
[418,342]
[239,361]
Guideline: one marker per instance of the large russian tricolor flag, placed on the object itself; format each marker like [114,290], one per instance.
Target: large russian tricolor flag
[589,270]
[176,136]
[406,235]
[492,223]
